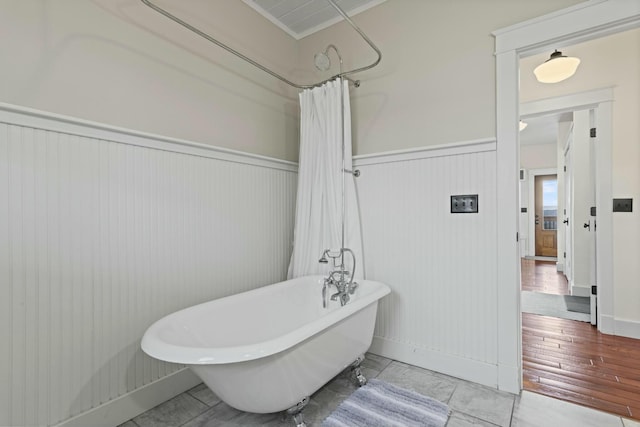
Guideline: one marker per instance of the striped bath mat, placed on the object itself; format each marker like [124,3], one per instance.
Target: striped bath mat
[381,404]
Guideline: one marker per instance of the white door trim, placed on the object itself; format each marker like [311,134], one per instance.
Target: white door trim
[561,104]
[568,207]
[583,22]
[591,99]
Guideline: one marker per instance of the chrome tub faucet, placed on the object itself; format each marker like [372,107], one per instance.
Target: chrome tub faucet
[340,277]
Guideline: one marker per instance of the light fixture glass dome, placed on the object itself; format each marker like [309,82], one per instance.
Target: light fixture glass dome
[557,68]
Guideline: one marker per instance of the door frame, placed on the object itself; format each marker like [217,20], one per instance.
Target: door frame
[582,22]
[568,211]
[531,218]
[600,100]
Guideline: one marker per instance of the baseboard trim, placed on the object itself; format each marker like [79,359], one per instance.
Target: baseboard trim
[509,379]
[125,407]
[541,258]
[580,291]
[560,267]
[620,327]
[627,328]
[606,324]
[466,369]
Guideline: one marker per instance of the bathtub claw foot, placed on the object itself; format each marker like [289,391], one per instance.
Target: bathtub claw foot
[357,371]
[360,378]
[299,420]
[296,412]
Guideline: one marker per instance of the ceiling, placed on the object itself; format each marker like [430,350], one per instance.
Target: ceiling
[300,18]
[543,129]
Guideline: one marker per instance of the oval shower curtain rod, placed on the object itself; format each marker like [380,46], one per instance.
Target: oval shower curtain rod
[265,69]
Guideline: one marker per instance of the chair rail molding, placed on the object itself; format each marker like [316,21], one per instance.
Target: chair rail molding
[105,230]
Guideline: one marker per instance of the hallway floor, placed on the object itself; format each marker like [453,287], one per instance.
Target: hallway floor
[572,360]
[471,404]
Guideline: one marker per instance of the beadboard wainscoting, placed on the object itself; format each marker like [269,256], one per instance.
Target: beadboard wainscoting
[102,232]
[441,266]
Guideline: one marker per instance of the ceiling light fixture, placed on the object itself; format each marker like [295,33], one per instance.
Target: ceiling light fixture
[557,68]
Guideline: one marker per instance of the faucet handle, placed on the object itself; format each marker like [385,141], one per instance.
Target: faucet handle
[345,273]
[353,287]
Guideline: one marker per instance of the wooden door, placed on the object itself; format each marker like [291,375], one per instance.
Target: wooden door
[546,208]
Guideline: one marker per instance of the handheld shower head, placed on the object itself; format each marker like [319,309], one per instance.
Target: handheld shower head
[323,259]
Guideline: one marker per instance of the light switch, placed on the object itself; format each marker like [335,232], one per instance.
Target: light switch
[623,205]
[464,204]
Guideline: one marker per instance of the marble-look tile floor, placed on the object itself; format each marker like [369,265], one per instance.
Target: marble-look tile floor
[471,404]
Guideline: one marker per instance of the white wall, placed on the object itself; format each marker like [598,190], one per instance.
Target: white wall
[436,81]
[441,267]
[121,63]
[436,85]
[104,232]
[612,61]
[538,156]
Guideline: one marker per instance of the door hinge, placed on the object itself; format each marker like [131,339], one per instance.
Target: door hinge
[564,255]
[517,237]
[592,132]
[594,290]
[565,168]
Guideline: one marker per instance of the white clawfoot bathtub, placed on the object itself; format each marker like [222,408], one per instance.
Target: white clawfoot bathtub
[265,350]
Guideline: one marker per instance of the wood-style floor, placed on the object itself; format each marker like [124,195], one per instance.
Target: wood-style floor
[571,360]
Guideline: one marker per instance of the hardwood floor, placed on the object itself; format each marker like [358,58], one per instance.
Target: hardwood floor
[543,276]
[571,360]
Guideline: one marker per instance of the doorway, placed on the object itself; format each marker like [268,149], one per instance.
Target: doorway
[533,228]
[546,215]
[564,222]
[584,22]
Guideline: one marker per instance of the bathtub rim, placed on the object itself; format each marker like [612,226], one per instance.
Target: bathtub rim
[154,346]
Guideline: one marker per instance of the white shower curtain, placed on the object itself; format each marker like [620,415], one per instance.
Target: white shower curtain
[318,223]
